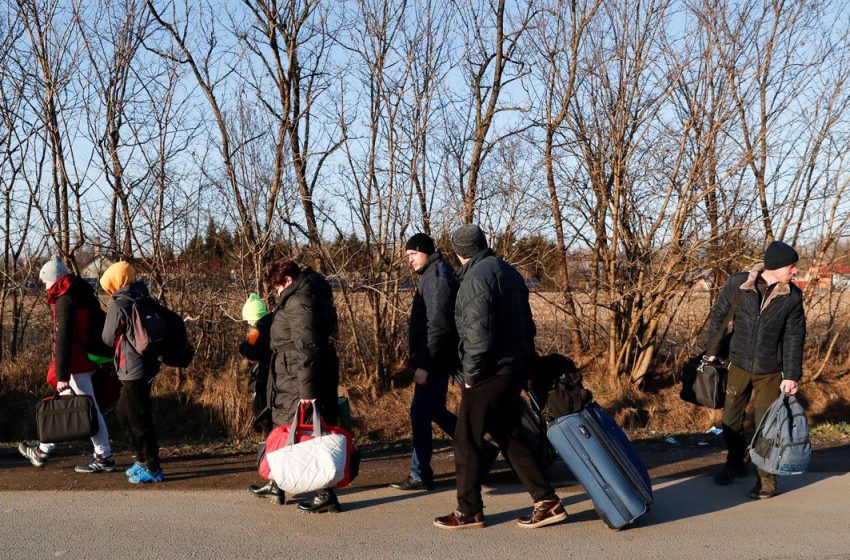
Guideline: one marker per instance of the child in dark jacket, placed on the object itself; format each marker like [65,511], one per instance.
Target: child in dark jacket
[135,371]
[257,349]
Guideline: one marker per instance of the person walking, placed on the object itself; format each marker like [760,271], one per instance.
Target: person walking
[432,337]
[496,333]
[304,361]
[75,313]
[765,352]
[136,372]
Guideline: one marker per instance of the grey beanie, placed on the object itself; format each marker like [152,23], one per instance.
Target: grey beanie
[53,270]
[467,240]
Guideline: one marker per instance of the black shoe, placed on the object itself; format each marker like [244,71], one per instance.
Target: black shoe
[324,502]
[268,490]
[410,484]
[729,473]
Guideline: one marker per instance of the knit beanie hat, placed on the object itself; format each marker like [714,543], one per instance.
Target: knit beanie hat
[254,309]
[779,255]
[117,276]
[467,240]
[53,270]
[421,242]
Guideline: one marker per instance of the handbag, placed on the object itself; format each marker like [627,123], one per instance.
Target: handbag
[310,460]
[704,383]
[66,418]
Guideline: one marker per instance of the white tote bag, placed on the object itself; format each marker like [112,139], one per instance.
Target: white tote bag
[311,464]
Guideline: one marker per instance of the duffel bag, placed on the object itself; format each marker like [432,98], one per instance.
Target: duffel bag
[290,466]
[704,383]
[66,418]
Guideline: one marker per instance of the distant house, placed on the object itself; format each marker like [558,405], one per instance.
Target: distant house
[95,267]
[826,277]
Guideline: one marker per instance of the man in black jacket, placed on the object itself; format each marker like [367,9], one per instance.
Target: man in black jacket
[765,352]
[496,333]
[433,355]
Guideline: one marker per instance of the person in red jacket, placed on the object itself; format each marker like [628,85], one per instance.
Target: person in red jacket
[74,309]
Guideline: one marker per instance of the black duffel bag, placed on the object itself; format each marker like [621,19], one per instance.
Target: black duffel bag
[704,383]
[66,418]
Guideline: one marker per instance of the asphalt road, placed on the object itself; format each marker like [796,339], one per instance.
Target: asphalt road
[692,519]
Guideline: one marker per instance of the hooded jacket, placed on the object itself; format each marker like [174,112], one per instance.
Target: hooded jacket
[432,334]
[769,329]
[75,310]
[493,319]
[129,365]
[304,360]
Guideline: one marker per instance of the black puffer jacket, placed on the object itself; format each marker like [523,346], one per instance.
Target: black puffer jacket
[432,334]
[769,332]
[493,319]
[304,360]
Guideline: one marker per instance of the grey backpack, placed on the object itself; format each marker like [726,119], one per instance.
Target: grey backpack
[781,443]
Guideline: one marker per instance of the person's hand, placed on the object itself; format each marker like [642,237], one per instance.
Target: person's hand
[711,359]
[420,376]
[62,386]
[467,385]
[788,386]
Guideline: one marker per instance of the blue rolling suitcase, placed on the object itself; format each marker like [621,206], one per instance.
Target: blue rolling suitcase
[604,462]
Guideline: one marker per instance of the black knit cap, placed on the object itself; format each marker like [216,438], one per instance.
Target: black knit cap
[467,240]
[421,242]
[779,255]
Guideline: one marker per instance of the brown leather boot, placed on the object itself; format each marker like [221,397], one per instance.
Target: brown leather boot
[545,512]
[457,520]
[765,487]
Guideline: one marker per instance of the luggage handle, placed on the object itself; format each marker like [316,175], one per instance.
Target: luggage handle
[295,425]
[57,394]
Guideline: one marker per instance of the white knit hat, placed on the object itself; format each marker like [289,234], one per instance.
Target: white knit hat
[53,270]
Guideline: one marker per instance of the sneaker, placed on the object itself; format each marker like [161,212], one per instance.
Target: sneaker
[134,469]
[545,512]
[97,464]
[765,487]
[144,476]
[31,451]
[410,484]
[729,472]
[457,520]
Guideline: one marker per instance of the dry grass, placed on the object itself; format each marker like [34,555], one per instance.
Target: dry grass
[210,398]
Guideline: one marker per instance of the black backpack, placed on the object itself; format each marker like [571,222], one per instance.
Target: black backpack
[157,331]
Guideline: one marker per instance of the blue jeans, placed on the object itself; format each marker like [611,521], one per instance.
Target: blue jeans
[429,405]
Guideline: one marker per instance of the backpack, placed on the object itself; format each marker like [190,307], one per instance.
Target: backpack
[781,443]
[156,331]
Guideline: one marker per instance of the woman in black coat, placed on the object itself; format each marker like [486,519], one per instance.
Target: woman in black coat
[304,364]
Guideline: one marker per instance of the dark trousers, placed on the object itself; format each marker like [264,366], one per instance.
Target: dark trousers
[741,386]
[492,406]
[136,415]
[429,405]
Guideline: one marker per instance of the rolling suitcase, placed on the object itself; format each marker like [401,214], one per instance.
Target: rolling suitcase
[604,462]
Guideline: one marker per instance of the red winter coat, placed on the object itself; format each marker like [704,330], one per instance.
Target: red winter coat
[73,302]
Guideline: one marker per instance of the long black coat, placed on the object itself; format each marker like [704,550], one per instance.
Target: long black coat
[769,332]
[304,360]
[493,318]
